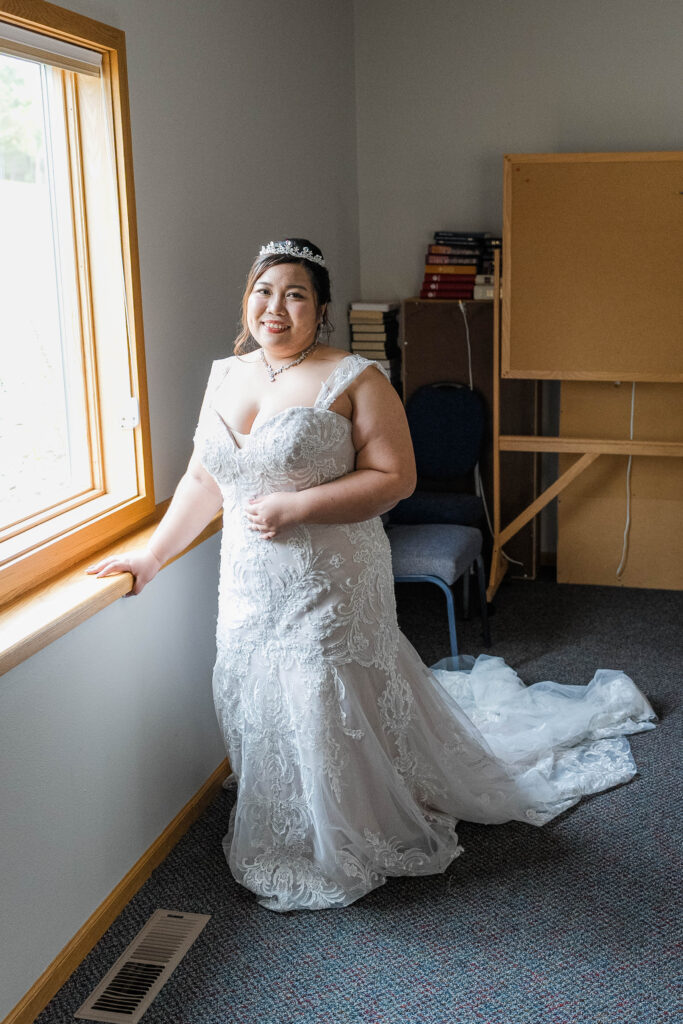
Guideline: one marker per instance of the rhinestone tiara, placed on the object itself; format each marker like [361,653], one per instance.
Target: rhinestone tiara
[288,248]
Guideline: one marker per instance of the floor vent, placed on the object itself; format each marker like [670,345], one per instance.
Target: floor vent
[143,968]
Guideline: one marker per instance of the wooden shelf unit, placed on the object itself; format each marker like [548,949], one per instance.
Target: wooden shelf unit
[587,242]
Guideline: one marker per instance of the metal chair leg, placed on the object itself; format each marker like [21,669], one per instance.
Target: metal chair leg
[466,594]
[450,604]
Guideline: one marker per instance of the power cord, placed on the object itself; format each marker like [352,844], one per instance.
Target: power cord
[627,528]
[478,485]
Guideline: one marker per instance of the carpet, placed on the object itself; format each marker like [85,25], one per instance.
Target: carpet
[574,923]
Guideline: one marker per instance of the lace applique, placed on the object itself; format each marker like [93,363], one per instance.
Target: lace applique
[344,373]
[288,880]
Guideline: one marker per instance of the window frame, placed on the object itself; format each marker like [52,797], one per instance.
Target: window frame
[73,543]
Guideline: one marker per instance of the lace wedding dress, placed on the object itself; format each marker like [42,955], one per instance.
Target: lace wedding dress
[354,761]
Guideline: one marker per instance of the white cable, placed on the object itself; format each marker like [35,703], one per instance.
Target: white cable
[479,488]
[463,311]
[627,528]
[478,485]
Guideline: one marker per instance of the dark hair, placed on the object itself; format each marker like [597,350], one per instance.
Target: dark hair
[320,279]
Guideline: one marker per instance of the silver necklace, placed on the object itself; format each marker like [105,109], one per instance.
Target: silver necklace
[272,374]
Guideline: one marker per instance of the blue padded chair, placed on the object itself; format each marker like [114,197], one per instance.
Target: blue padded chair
[433,533]
[447,426]
[441,553]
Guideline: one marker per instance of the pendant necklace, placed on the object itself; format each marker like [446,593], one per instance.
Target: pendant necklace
[272,374]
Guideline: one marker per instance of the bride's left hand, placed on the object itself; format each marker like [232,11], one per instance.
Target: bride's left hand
[269,514]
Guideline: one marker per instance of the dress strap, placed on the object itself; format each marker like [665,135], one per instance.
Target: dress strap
[219,370]
[344,373]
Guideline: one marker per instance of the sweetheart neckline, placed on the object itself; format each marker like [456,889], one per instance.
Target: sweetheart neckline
[289,408]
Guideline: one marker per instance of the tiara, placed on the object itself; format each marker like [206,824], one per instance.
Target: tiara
[288,248]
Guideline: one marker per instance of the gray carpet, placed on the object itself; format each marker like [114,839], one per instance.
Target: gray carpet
[575,922]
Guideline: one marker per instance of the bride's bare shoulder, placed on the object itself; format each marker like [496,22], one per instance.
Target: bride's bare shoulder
[245,358]
[240,365]
[332,355]
[230,372]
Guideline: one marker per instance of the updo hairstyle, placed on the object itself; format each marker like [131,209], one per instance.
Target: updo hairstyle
[320,279]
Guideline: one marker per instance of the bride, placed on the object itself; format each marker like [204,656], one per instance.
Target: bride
[353,760]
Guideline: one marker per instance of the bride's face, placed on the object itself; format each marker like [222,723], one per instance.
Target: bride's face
[282,310]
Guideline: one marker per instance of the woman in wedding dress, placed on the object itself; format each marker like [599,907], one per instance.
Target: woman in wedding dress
[353,760]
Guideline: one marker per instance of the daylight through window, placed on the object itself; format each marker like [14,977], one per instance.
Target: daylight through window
[74,452]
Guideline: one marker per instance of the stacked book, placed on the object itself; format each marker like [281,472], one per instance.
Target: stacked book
[453,261]
[374,334]
[483,286]
[490,244]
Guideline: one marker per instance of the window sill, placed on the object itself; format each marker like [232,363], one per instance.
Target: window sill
[53,609]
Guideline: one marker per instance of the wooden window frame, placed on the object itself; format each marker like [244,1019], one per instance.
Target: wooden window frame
[109,521]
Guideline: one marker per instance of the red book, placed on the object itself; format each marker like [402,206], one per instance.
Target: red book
[461,286]
[457,279]
[433,281]
[431,286]
[459,269]
[449,291]
[438,293]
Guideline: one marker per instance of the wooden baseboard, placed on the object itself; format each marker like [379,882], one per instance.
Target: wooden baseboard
[75,951]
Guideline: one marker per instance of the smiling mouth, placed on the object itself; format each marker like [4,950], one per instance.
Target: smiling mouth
[274,326]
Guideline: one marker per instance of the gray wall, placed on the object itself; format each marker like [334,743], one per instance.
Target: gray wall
[445,87]
[243,131]
[243,122]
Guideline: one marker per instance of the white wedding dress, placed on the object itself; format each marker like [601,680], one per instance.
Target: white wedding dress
[353,760]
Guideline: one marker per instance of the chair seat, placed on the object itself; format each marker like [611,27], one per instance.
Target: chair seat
[438,507]
[433,549]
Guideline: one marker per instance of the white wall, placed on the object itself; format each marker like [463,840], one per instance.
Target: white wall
[243,123]
[445,87]
[243,128]
[104,735]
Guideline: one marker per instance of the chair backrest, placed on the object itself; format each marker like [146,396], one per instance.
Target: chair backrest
[447,424]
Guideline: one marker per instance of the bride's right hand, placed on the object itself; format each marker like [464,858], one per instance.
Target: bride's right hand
[142,564]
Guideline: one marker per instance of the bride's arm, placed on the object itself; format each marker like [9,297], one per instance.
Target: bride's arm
[196,500]
[384,473]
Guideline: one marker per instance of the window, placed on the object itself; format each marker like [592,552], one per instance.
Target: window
[75,461]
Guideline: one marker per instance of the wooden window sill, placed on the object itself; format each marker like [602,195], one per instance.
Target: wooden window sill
[52,609]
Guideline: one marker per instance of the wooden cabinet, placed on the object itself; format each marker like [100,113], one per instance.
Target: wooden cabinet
[449,341]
